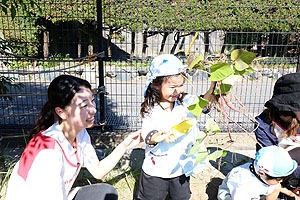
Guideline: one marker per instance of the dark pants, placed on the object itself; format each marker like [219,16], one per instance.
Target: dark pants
[156,188]
[295,154]
[100,191]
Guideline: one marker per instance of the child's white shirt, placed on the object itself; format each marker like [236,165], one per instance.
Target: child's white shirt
[241,183]
[169,160]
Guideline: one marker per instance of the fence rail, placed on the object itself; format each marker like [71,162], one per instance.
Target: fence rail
[111,43]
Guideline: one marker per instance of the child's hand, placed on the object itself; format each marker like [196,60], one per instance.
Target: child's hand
[132,140]
[171,138]
[167,136]
[287,192]
[296,191]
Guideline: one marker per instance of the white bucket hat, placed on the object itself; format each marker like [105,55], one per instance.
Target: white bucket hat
[274,161]
[164,65]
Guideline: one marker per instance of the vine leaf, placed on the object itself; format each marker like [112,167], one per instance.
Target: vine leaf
[245,71]
[211,127]
[217,154]
[195,62]
[197,106]
[225,88]
[220,71]
[201,155]
[230,80]
[242,58]
[198,142]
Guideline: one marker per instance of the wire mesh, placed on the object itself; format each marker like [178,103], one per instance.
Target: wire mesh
[58,34]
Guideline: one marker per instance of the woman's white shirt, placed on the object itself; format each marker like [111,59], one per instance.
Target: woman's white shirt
[50,165]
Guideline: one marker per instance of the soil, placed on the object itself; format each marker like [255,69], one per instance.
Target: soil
[204,186]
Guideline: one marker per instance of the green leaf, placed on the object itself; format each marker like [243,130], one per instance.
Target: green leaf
[195,148]
[240,65]
[196,61]
[225,88]
[200,66]
[201,137]
[211,126]
[217,154]
[230,80]
[220,71]
[197,106]
[242,58]
[201,155]
[245,71]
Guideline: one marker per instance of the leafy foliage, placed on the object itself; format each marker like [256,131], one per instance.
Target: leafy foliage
[223,72]
[198,105]
[211,128]
[5,84]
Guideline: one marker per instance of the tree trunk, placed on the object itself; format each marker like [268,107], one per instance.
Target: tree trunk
[46,44]
[109,43]
[132,43]
[79,45]
[145,46]
[176,41]
[163,42]
[206,42]
[90,47]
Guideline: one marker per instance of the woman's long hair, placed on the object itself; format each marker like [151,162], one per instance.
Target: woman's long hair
[60,94]
[290,126]
[153,95]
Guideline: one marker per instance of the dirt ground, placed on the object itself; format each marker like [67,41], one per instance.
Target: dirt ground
[204,186]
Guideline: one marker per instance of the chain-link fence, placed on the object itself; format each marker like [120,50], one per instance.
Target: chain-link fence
[111,43]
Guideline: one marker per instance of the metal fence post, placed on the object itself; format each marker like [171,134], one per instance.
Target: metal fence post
[298,50]
[100,65]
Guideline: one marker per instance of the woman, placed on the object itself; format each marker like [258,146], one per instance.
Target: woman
[61,145]
[278,124]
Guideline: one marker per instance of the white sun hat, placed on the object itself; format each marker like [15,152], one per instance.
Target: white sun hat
[274,161]
[164,65]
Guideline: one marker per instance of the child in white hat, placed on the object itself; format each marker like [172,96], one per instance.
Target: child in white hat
[167,164]
[260,179]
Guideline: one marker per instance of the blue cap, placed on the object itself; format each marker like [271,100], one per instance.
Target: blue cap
[274,161]
[164,65]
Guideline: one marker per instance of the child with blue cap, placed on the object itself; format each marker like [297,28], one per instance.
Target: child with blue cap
[259,179]
[167,164]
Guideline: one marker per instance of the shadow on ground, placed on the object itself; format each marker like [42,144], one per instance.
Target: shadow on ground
[231,160]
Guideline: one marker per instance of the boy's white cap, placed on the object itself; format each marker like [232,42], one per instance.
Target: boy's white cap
[274,161]
[164,65]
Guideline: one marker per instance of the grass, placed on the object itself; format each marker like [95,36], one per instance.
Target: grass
[6,167]
[124,177]
[125,183]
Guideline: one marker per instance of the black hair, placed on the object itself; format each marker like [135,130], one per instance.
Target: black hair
[153,95]
[268,177]
[60,94]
